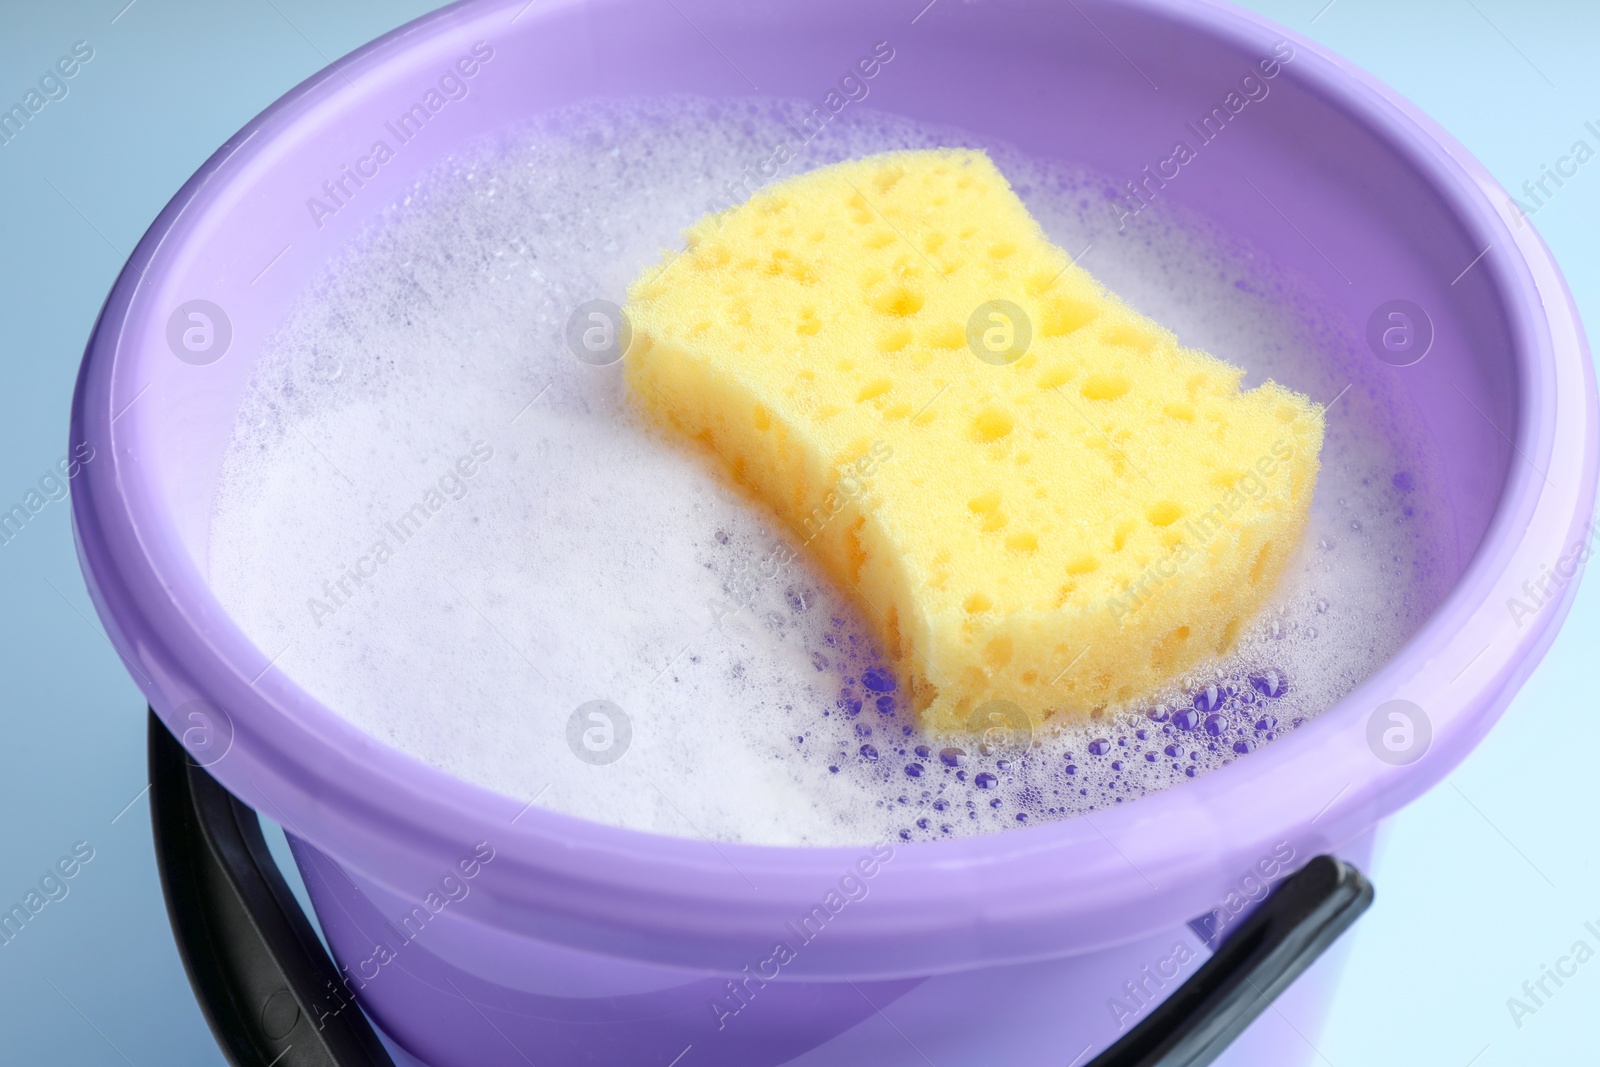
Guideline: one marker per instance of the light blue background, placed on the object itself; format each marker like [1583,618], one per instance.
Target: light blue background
[1482,882]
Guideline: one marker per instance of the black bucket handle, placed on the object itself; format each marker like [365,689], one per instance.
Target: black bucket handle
[274,998]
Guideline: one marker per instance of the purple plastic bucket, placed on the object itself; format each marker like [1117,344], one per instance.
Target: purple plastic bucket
[583,943]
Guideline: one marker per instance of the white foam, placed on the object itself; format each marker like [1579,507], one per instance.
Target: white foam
[586,558]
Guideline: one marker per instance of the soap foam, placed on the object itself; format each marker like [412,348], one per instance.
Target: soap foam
[453,533]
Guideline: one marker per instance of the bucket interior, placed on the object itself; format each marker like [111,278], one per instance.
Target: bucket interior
[1317,191]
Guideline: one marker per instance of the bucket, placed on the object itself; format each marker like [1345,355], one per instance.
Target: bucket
[475,929]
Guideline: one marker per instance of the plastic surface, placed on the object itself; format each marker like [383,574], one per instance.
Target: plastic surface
[1257,960]
[266,986]
[267,964]
[449,1012]
[1385,206]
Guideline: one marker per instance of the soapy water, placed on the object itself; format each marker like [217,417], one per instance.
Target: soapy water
[455,534]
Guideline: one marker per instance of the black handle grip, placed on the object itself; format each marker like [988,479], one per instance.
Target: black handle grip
[274,999]
[1304,915]
[267,987]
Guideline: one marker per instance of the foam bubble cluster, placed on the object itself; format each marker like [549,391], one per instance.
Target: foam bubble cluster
[456,534]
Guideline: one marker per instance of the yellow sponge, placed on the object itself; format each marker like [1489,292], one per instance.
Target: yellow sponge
[1035,494]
